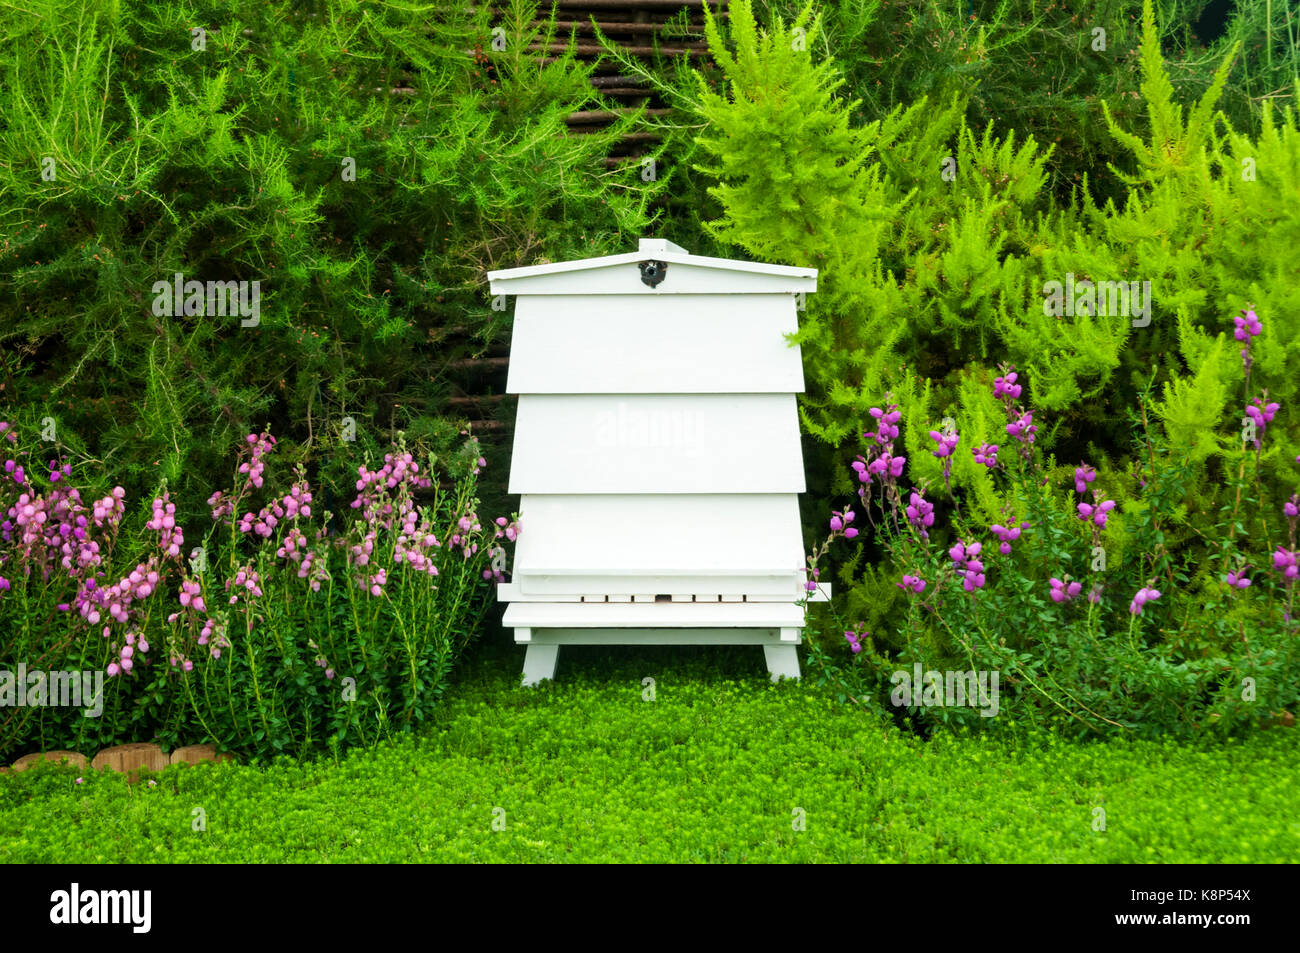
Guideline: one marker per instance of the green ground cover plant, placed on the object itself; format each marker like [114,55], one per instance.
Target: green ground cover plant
[720,766]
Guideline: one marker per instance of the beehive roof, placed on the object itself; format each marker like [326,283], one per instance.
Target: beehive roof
[621,274]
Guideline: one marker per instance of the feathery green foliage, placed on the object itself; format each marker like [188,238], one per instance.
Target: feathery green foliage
[135,148]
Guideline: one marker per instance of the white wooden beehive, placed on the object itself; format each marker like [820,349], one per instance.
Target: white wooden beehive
[656,454]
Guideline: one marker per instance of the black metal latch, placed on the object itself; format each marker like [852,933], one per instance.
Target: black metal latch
[653,272]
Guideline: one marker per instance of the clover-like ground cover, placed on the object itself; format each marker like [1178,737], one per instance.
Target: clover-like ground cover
[720,766]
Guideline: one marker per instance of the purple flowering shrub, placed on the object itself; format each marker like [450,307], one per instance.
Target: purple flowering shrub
[263,631]
[1079,596]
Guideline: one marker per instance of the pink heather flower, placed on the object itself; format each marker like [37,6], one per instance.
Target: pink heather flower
[961,554]
[1284,561]
[1083,475]
[1248,326]
[1022,428]
[920,513]
[508,529]
[973,579]
[1262,414]
[221,506]
[298,502]
[1238,579]
[853,640]
[987,454]
[1291,508]
[113,669]
[837,524]
[1006,387]
[885,463]
[914,583]
[1065,592]
[888,421]
[1144,595]
[1008,536]
[170,537]
[947,443]
[1096,513]
[259,445]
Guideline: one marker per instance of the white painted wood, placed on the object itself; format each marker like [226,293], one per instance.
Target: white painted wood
[633,636]
[539,662]
[702,344]
[659,245]
[715,539]
[782,661]
[557,589]
[690,615]
[619,275]
[657,453]
[542,654]
[510,592]
[542,586]
[679,443]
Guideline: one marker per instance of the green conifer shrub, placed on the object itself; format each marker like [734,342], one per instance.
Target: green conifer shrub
[367,163]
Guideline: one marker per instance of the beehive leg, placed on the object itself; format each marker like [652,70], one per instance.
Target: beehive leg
[539,662]
[782,661]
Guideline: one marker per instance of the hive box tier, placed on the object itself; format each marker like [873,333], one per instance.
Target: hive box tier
[656,443]
[640,344]
[647,548]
